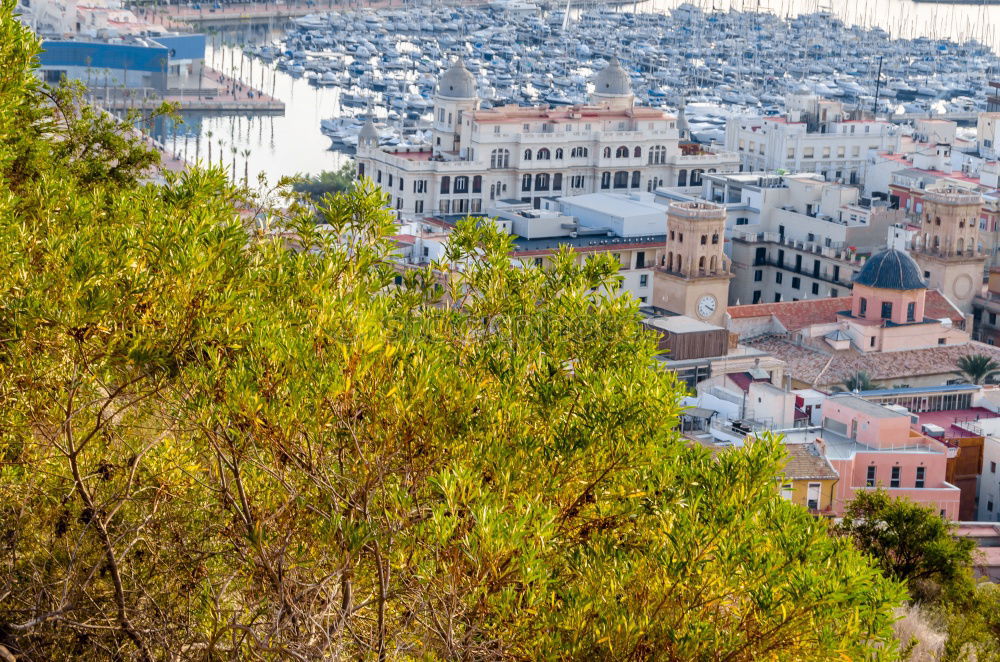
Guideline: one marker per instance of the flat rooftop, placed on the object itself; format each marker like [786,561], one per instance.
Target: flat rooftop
[618,206]
[681,324]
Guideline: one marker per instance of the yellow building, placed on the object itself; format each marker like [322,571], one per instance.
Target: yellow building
[808,478]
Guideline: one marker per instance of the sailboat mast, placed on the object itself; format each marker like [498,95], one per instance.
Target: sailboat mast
[878,86]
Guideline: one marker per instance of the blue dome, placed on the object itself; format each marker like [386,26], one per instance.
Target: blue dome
[891,270]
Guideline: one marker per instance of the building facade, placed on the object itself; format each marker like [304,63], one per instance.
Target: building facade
[531,153]
[814,135]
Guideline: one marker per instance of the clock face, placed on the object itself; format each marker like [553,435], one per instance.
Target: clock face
[706,306]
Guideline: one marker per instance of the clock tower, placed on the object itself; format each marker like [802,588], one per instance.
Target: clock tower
[693,279]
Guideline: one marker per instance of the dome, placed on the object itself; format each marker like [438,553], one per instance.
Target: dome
[457,83]
[368,131]
[612,80]
[891,270]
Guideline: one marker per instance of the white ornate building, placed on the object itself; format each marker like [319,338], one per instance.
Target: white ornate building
[528,153]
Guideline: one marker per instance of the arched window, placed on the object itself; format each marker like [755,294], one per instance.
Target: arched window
[527,155]
[713,264]
[670,260]
[500,158]
[637,152]
[462,184]
[657,155]
[961,245]
[715,238]
[584,152]
[607,152]
[446,184]
[682,178]
[621,179]
[704,239]
[542,181]
[543,154]
[557,181]
[636,179]
[477,184]
[526,182]
[493,191]
[696,177]
[701,263]
[559,153]
[605,180]
[621,152]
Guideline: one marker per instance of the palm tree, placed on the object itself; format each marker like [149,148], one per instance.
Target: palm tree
[977,367]
[859,381]
[208,136]
[246,166]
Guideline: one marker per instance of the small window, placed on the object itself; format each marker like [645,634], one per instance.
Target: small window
[894,479]
[815,288]
[796,282]
[786,491]
[886,310]
[941,341]
[643,280]
[920,477]
[863,307]
[758,275]
[993,467]
[777,277]
[989,506]
[871,341]
[870,478]
[911,311]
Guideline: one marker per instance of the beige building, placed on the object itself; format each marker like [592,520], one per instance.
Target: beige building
[947,246]
[528,154]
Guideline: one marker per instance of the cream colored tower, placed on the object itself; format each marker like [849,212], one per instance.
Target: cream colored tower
[454,96]
[947,247]
[694,277]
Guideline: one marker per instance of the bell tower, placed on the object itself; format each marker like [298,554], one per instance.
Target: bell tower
[694,277]
[947,247]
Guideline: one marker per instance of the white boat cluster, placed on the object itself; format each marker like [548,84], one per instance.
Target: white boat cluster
[385,63]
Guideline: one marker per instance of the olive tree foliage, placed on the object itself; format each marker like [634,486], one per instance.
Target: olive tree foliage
[215,447]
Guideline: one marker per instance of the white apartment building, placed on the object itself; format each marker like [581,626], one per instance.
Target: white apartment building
[528,154]
[814,135]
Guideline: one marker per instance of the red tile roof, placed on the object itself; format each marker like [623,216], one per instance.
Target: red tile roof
[795,315]
[938,307]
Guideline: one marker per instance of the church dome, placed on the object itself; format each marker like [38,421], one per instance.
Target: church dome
[891,270]
[369,131]
[613,80]
[457,82]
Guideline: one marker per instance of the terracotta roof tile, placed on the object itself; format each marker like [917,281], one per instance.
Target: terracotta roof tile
[806,462]
[828,369]
[795,315]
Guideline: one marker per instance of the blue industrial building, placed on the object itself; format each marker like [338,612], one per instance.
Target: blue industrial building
[132,62]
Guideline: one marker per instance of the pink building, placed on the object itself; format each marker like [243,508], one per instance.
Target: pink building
[871,446]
